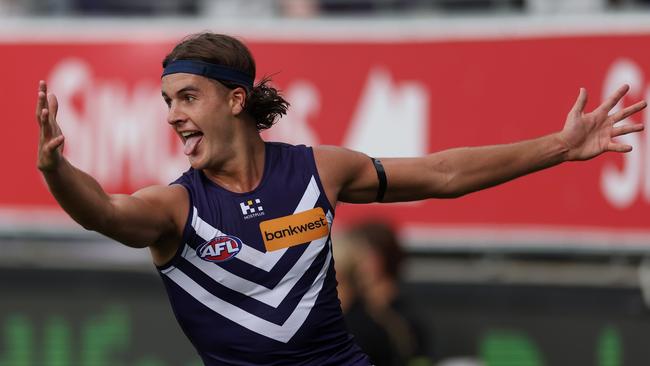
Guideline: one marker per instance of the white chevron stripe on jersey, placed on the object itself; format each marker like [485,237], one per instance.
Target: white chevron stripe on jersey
[272,297]
[281,333]
[262,260]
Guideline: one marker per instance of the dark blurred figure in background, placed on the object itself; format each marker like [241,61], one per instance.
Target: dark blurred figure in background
[368,262]
[370,335]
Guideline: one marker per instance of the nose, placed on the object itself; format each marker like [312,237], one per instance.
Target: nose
[175,115]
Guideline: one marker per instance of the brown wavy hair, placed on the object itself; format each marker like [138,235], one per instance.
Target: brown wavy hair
[264,103]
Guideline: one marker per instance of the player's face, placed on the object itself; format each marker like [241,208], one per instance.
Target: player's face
[200,114]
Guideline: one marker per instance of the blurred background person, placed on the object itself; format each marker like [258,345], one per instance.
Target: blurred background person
[368,261]
[370,335]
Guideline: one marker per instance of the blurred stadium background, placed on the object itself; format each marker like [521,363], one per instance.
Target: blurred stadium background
[551,269]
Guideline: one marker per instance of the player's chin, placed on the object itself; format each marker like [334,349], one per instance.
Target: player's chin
[196,162]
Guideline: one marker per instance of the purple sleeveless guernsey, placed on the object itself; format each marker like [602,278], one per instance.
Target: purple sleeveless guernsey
[253,282]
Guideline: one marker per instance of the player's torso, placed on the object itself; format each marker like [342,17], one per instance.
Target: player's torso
[253,282]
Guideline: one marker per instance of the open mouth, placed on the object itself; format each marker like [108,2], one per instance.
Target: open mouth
[188,134]
[191,139]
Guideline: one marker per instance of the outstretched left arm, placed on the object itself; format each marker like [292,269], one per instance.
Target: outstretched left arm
[350,176]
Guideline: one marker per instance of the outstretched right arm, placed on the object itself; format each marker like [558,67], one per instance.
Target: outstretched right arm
[152,216]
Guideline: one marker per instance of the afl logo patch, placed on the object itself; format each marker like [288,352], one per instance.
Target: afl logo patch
[219,249]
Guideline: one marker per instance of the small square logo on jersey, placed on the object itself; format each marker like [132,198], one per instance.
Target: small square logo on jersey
[251,208]
[294,229]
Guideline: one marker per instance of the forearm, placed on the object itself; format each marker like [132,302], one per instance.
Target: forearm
[79,194]
[474,168]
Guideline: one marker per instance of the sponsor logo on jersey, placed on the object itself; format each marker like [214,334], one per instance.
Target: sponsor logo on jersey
[251,208]
[294,229]
[219,249]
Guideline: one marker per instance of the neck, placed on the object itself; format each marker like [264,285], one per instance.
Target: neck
[243,170]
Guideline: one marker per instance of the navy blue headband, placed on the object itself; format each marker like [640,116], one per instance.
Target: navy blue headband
[212,71]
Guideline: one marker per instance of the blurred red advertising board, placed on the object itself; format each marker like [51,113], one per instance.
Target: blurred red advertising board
[397,98]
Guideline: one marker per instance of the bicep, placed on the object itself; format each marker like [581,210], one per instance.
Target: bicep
[146,217]
[407,179]
[351,176]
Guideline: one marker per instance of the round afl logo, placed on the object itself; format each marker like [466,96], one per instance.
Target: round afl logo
[219,249]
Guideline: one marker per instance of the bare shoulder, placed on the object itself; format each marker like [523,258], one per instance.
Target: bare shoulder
[174,193]
[338,158]
[173,199]
[335,163]
[344,171]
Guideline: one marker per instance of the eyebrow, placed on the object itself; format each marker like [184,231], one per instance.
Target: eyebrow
[182,90]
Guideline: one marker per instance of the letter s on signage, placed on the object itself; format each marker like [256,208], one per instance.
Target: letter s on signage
[621,186]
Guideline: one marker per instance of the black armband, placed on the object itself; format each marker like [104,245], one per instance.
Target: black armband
[381,175]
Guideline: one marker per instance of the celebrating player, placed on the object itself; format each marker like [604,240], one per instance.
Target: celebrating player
[242,239]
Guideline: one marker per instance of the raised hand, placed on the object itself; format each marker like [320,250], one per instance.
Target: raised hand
[50,144]
[588,135]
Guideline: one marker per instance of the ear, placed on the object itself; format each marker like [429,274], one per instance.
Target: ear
[237,100]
